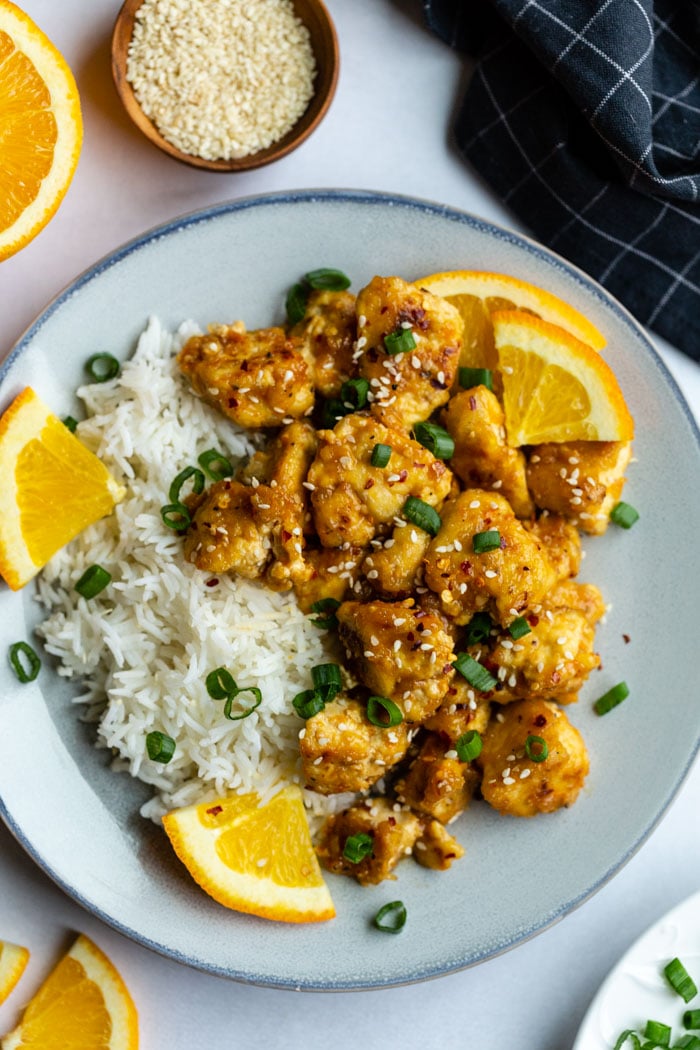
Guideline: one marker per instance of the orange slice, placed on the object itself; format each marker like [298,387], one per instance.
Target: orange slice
[477,294]
[555,388]
[13,959]
[41,129]
[253,858]
[83,1005]
[51,488]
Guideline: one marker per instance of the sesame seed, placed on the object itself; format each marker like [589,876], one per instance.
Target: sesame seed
[406,324]
[568,654]
[309,485]
[525,774]
[368,654]
[474,504]
[372,574]
[451,753]
[374,640]
[490,573]
[361,321]
[318,761]
[505,772]
[415,361]
[457,545]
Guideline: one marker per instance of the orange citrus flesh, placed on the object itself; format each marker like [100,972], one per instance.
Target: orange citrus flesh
[40,129]
[51,488]
[253,858]
[13,959]
[82,1005]
[555,388]
[478,294]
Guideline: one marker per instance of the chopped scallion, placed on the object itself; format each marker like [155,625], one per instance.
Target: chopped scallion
[536,748]
[436,439]
[333,410]
[220,683]
[176,516]
[358,846]
[381,454]
[102,367]
[519,627]
[478,628]
[691,1018]
[391,918]
[329,606]
[70,423]
[228,706]
[328,280]
[25,662]
[178,481]
[658,1033]
[354,392]
[295,303]
[383,712]
[611,699]
[483,542]
[93,580]
[471,377]
[680,980]
[624,1036]
[215,464]
[400,341]
[422,514]
[474,672]
[160,747]
[624,515]
[308,703]
[687,1042]
[327,680]
[469,745]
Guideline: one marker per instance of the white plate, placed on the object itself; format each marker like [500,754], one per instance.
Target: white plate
[636,990]
[80,821]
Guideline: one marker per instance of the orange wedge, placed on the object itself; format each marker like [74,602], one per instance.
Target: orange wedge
[13,959]
[555,388]
[41,129]
[253,858]
[477,294]
[51,488]
[82,1005]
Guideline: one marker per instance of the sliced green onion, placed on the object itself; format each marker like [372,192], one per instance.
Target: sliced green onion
[680,980]
[482,542]
[691,1018]
[381,454]
[228,706]
[19,653]
[220,683]
[519,627]
[435,439]
[328,280]
[160,747]
[536,748]
[658,1033]
[327,680]
[295,303]
[308,703]
[624,515]
[469,745]
[687,1042]
[358,846]
[102,367]
[354,392]
[326,605]
[93,580]
[177,483]
[70,423]
[471,377]
[474,672]
[176,516]
[391,918]
[611,699]
[422,514]
[215,464]
[400,341]
[478,628]
[333,410]
[383,712]
[624,1036]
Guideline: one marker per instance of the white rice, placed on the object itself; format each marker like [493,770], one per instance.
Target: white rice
[143,648]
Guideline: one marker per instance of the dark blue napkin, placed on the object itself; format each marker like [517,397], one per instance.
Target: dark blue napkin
[584,117]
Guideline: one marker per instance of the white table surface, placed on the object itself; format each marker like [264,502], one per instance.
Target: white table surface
[388,129]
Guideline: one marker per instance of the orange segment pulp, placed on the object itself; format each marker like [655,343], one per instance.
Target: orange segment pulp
[40,129]
[51,488]
[555,388]
[13,959]
[253,858]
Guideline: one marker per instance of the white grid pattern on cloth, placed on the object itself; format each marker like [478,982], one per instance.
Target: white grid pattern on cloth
[676,100]
[665,298]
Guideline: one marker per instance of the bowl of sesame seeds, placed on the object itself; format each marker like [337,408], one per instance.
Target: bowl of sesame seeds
[225,85]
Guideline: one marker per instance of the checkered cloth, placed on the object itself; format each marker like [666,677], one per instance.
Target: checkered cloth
[584,116]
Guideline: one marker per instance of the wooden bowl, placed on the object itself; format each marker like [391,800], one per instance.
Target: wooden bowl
[324,43]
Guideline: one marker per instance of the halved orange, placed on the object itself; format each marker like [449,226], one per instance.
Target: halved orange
[82,1005]
[478,293]
[41,128]
[51,488]
[13,959]
[555,388]
[253,858]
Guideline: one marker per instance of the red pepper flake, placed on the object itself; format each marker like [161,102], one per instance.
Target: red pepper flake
[286,536]
[626,639]
[446,670]
[472,402]
[533,619]
[369,483]
[213,582]
[540,721]
[466,567]
[215,810]
[233,402]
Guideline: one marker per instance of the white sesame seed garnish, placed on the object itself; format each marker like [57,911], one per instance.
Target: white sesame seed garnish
[309,485]
[490,573]
[475,503]
[525,774]
[372,574]
[368,654]
[374,640]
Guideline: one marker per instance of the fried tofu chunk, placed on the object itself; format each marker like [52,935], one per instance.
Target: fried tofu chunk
[341,750]
[258,379]
[512,782]
[398,651]
[585,597]
[407,386]
[462,709]
[351,499]
[224,535]
[394,568]
[504,581]
[437,783]
[394,831]
[482,458]
[327,333]
[562,543]
[436,848]
[331,573]
[581,480]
